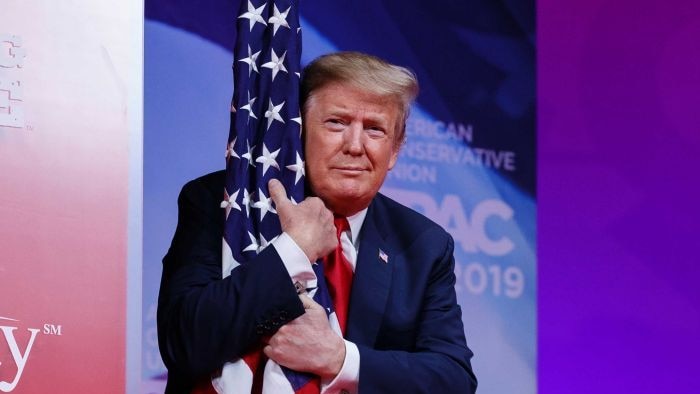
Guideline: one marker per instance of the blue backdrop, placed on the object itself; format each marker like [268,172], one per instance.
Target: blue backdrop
[469,162]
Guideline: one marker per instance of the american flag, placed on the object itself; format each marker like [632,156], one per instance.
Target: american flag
[264,143]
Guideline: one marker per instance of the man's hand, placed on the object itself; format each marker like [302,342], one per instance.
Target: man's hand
[308,344]
[310,223]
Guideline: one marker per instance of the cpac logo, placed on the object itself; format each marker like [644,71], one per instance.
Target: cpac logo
[18,355]
[11,57]
[468,230]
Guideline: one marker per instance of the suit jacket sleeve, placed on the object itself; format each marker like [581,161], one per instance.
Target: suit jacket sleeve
[204,320]
[431,354]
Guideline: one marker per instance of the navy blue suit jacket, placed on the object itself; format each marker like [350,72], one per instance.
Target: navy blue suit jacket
[403,313]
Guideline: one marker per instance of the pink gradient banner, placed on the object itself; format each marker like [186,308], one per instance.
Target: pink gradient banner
[64,132]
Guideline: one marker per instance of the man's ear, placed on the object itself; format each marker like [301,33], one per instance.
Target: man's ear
[394,156]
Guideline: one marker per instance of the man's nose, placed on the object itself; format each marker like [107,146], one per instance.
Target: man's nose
[354,139]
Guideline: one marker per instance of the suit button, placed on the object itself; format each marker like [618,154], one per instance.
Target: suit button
[283,315]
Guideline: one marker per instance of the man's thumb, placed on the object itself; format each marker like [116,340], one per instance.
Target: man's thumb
[278,194]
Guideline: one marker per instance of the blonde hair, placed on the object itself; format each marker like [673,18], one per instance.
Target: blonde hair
[368,73]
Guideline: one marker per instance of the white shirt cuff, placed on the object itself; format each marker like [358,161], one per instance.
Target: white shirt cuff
[347,380]
[295,260]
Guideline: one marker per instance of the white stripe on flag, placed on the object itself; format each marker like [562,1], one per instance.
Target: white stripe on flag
[275,380]
[235,378]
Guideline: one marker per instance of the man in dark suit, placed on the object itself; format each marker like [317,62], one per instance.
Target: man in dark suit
[402,326]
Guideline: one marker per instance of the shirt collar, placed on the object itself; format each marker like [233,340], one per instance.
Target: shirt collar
[356,222]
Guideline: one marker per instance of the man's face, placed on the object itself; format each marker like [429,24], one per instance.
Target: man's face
[350,145]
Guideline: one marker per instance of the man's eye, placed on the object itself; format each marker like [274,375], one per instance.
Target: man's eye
[334,123]
[375,131]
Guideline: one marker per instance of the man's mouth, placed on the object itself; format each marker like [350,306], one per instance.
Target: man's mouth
[350,169]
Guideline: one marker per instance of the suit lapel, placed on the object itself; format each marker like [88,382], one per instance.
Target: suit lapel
[372,280]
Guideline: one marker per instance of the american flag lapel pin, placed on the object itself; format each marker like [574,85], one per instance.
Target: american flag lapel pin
[383,256]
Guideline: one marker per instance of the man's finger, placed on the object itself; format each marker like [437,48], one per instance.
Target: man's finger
[267,350]
[278,194]
[308,302]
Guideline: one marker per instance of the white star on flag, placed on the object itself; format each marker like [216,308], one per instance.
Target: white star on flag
[273,113]
[268,159]
[254,15]
[247,202]
[230,202]
[298,120]
[230,151]
[253,247]
[297,167]
[249,154]
[251,60]
[264,204]
[276,64]
[265,243]
[278,19]
[249,107]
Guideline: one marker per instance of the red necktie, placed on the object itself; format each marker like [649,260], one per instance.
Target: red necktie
[338,273]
